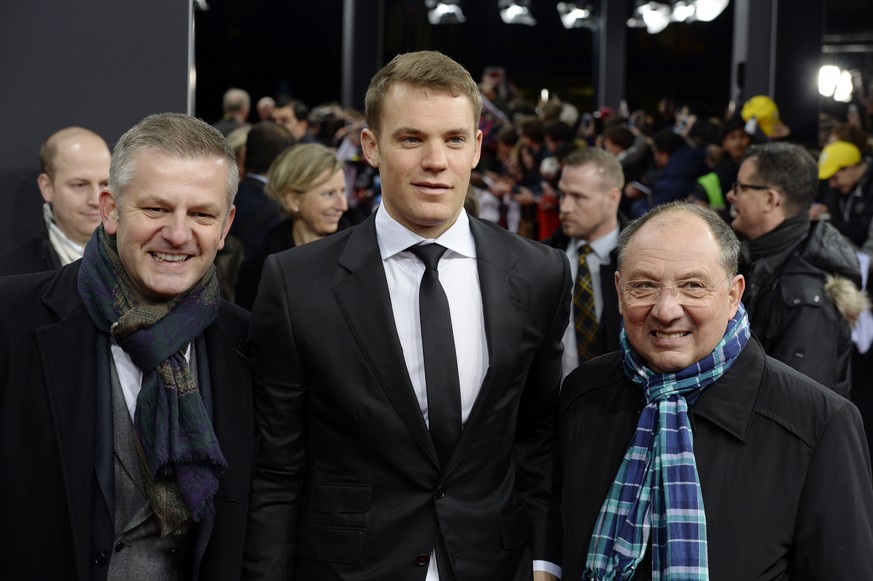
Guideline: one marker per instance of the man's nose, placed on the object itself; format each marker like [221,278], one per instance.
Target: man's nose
[435,156]
[177,231]
[667,306]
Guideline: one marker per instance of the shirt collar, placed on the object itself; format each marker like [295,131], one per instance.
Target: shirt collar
[394,238]
[602,247]
[256,176]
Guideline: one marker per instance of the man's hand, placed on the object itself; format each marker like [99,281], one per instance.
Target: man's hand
[543,576]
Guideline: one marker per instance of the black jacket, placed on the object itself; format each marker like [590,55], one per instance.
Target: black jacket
[794,312]
[35,255]
[783,464]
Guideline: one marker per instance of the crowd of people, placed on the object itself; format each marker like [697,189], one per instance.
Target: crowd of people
[458,335]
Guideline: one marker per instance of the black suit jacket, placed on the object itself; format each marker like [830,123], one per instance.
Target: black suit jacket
[53,457]
[256,215]
[348,484]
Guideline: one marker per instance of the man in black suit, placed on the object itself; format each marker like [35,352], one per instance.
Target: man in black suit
[355,477]
[590,187]
[126,416]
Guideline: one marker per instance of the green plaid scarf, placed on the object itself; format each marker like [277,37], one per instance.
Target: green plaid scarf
[657,485]
[179,453]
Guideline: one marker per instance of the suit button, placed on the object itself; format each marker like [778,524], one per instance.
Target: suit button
[441,492]
[422,560]
[100,559]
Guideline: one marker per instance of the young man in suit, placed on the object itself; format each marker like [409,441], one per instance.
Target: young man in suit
[126,416]
[371,467]
[590,186]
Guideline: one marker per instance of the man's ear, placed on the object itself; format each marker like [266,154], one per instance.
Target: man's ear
[45,187]
[618,292]
[774,198]
[108,212]
[735,293]
[230,216]
[370,147]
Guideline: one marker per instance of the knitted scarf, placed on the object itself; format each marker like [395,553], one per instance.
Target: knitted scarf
[657,488]
[179,453]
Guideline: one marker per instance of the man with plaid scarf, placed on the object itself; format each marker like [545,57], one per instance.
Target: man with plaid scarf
[689,454]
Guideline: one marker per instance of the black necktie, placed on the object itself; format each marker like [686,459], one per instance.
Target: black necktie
[440,361]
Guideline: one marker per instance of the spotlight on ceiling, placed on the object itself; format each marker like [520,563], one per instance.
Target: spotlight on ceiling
[843,91]
[684,11]
[516,12]
[655,16]
[447,12]
[828,79]
[575,16]
[707,10]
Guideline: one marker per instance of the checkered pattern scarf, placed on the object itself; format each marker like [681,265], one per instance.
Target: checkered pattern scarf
[657,489]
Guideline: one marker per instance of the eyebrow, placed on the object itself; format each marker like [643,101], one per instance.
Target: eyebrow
[694,274]
[415,131]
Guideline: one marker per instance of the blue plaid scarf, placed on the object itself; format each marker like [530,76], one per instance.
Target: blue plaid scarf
[657,485]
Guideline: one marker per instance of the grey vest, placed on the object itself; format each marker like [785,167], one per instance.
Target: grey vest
[139,552]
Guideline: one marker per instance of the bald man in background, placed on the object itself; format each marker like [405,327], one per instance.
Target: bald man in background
[75,168]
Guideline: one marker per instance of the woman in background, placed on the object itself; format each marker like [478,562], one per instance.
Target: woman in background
[308,183]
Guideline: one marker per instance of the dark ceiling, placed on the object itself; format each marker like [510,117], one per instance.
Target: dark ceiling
[270,48]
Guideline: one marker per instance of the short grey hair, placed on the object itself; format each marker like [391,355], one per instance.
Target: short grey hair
[174,135]
[236,100]
[724,235]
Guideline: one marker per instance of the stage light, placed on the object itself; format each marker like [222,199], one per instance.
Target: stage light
[446,12]
[516,12]
[656,15]
[574,16]
[843,91]
[683,11]
[828,78]
[708,10]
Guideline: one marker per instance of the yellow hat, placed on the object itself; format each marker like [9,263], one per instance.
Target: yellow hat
[764,110]
[835,156]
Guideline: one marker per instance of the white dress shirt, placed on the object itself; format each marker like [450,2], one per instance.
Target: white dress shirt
[129,375]
[599,255]
[460,280]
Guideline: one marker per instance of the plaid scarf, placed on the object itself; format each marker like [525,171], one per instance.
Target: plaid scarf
[179,453]
[657,485]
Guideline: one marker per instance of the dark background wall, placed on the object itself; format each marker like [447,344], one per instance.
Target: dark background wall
[101,64]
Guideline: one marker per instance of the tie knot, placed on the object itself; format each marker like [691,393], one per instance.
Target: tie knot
[584,251]
[429,254]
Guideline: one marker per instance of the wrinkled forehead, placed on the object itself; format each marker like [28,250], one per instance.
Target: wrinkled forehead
[673,246]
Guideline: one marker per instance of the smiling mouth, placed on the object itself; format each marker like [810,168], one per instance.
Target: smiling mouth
[674,335]
[164,257]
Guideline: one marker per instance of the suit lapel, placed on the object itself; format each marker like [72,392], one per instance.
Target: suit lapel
[504,301]
[69,358]
[362,293]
